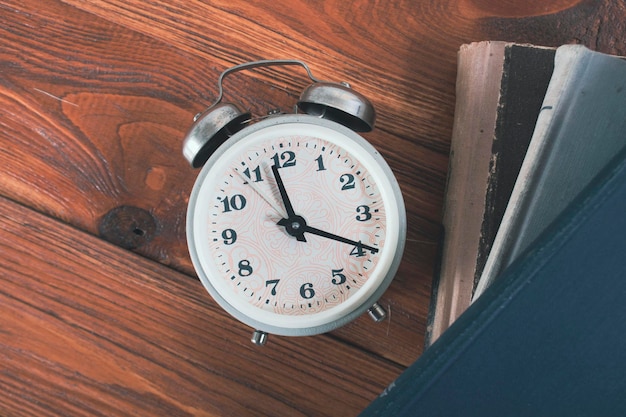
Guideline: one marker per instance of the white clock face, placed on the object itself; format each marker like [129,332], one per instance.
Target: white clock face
[295,225]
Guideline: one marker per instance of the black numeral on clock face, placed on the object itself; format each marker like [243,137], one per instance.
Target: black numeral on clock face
[358,251]
[338,276]
[245,269]
[306,291]
[254,175]
[236,202]
[229,236]
[320,163]
[273,283]
[348,182]
[287,159]
[363,213]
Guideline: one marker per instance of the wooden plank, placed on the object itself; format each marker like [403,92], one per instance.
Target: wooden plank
[94,113]
[87,328]
[371,46]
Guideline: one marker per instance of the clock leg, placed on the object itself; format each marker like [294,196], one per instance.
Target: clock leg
[259,338]
[377,313]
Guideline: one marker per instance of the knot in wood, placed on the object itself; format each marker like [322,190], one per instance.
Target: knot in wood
[128,227]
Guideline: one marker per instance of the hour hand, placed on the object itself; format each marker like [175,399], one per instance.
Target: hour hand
[283,192]
[293,224]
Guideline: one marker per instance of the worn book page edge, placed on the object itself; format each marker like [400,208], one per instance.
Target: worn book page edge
[568,64]
[478,85]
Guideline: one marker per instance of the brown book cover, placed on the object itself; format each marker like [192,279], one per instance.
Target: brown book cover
[500,89]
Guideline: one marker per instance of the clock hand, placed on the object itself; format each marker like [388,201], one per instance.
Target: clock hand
[292,222]
[269,200]
[283,192]
[327,235]
[296,225]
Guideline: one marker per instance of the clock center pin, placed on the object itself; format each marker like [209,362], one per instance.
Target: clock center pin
[295,226]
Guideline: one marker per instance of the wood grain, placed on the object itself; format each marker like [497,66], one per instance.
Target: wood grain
[102,128]
[96,96]
[83,339]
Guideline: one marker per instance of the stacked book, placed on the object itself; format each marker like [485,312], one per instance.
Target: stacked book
[533,127]
[529,307]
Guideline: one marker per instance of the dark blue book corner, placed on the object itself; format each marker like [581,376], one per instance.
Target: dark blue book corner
[548,338]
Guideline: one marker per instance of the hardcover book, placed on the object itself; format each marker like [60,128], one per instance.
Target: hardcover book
[544,339]
[499,90]
[533,126]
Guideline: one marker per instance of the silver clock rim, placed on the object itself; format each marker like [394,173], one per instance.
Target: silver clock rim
[361,308]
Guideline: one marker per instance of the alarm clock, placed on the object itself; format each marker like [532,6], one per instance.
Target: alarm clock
[296,224]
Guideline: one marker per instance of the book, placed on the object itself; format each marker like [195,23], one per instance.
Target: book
[497,203]
[544,338]
[500,87]
[581,126]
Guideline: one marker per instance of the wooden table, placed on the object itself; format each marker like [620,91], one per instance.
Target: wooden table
[100,310]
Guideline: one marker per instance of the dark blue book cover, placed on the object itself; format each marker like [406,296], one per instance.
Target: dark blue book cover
[548,337]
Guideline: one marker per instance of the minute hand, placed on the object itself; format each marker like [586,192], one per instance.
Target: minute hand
[327,235]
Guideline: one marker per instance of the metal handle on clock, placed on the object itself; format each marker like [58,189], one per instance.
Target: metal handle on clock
[324,99]
[258,64]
